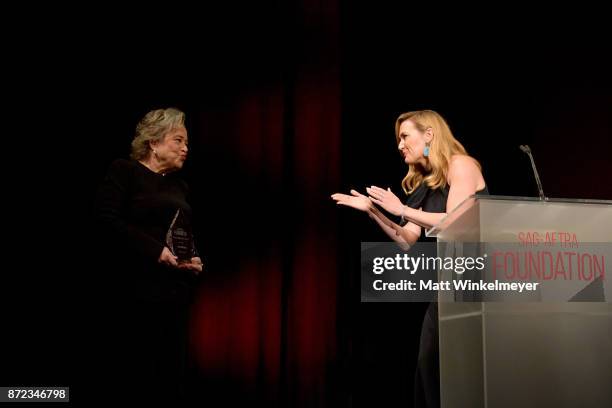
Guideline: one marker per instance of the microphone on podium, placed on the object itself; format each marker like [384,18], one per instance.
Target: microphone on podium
[527,150]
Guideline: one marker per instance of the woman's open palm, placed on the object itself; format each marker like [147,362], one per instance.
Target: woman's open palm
[356,200]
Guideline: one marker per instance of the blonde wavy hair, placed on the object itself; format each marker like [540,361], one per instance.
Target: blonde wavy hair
[153,127]
[442,147]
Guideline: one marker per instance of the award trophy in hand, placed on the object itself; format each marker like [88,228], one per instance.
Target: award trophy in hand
[179,238]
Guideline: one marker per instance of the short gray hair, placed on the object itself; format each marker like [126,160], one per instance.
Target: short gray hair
[153,127]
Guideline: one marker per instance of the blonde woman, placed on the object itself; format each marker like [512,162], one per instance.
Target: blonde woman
[440,176]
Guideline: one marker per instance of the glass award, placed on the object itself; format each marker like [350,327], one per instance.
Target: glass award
[179,238]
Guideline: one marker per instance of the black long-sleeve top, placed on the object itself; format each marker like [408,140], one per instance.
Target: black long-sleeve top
[135,207]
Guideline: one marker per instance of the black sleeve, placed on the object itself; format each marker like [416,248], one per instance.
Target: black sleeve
[110,208]
[415,200]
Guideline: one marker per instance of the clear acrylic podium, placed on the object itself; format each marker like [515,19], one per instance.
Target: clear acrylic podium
[525,354]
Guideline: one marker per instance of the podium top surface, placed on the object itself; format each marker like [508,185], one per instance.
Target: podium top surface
[474,199]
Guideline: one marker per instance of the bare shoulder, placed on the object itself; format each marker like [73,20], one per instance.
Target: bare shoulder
[464,166]
[462,162]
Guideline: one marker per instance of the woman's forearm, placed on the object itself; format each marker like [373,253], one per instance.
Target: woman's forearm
[387,229]
[394,231]
[422,218]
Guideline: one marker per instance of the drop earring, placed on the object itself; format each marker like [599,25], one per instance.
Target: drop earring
[426,150]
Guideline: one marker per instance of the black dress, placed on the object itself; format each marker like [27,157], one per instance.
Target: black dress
[134,209]
[427,375]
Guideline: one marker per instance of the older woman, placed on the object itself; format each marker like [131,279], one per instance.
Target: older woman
[137,203]
[440,176]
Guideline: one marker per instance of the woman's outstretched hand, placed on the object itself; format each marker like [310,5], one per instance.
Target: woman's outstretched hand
[356,200]
[386,199]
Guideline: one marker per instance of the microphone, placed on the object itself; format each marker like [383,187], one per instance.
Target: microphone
[527,150]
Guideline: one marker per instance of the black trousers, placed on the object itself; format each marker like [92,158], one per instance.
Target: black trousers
[427,376]
[151,344]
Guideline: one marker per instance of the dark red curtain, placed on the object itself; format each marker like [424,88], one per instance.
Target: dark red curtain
[264,324]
